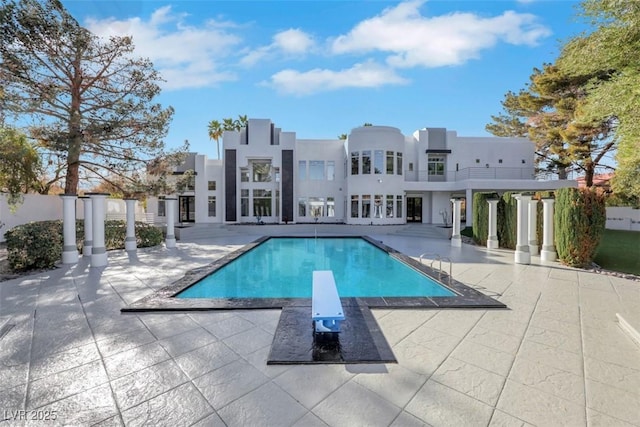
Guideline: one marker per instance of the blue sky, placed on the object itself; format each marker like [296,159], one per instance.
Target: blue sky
[321,68]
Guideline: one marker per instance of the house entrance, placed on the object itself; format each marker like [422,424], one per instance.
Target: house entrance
[414,209]
[187,211]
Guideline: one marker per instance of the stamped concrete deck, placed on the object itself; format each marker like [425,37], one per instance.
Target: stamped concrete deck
[556,357]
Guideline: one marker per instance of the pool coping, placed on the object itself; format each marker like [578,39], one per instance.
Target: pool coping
[164,298]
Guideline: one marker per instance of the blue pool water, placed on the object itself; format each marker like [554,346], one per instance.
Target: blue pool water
[282,268]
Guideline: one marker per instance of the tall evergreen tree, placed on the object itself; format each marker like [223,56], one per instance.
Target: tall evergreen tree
[90,100]
[614,47]
[549,112]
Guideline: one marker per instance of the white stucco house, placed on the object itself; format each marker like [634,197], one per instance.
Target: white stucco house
[376,176]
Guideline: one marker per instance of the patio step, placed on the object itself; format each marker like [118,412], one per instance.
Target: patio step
[428,231]
[203,231]
[630,326]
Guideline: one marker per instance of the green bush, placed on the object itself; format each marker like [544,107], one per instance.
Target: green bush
[579,221]
[481,217]
[38,245]
[507,220]
[35,245]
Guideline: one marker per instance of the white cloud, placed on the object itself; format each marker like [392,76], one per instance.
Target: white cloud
[185,55]
[415,40]
[368,74]
[291,42]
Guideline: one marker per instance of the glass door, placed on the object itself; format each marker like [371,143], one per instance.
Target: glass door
[187,208]
[414,209]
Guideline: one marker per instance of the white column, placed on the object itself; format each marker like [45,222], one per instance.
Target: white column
[492,239]
[548,252]
[456,240]
[522,255]
[130,240]
[170,208]
[533,226]
[98,250]
[88,227]
[70,249]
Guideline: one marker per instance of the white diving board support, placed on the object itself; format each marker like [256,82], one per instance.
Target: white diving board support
[326,308]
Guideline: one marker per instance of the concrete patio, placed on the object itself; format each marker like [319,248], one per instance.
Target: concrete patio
[557,357]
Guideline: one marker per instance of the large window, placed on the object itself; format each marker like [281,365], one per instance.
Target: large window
[212,205]
[302,170]
[389,162]
[261,203]
[316,170]
[366,162]
[162,208]
[378,160]
[302,206]
[244,202]
[244,175]
[355,162]
[211,185]
[366,206]
[435,165]
[389,206]
[261,170]
[399,206]
[331,170]
[399,163]
[276,173]
[316,206]
[377,206]
[331,207]
[355,199]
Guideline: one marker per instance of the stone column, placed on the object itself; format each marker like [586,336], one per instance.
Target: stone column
[70,249]
[170,208]
[88,227]
[548,252]
[456,239]
[533,227]
[98,251]
[522,255]
[492,239]
[130,240]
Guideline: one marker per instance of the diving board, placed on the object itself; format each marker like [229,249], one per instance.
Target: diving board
[326,308]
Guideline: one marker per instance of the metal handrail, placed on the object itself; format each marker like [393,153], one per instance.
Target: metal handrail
[436,257]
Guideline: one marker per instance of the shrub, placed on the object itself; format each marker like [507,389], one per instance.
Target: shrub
[579,221]
[39,244]
[34,245]
[481,217]
[507,220]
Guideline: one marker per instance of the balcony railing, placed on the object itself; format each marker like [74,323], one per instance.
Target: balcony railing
[480,173]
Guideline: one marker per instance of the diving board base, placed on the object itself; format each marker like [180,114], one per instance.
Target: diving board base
[360,339]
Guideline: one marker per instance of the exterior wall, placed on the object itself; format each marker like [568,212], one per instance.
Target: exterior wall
[623,218]
[315,191]
[376,185]
[37,207]
[302,192]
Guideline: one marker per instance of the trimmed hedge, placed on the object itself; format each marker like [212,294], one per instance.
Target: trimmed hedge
[481,217]
[579,221]
[38,245]
[507,220]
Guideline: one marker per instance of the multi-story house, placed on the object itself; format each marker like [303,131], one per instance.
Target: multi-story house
[376,176]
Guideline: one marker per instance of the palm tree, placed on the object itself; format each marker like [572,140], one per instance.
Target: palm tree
[215,132]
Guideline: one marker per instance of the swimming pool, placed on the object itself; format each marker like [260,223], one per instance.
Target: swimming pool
[282,268]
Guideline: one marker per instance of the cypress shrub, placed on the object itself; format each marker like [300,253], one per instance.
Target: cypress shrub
[579,221]
[507,220]
[481,217]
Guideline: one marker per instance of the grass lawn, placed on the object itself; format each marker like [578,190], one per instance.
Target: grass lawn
[619,250]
